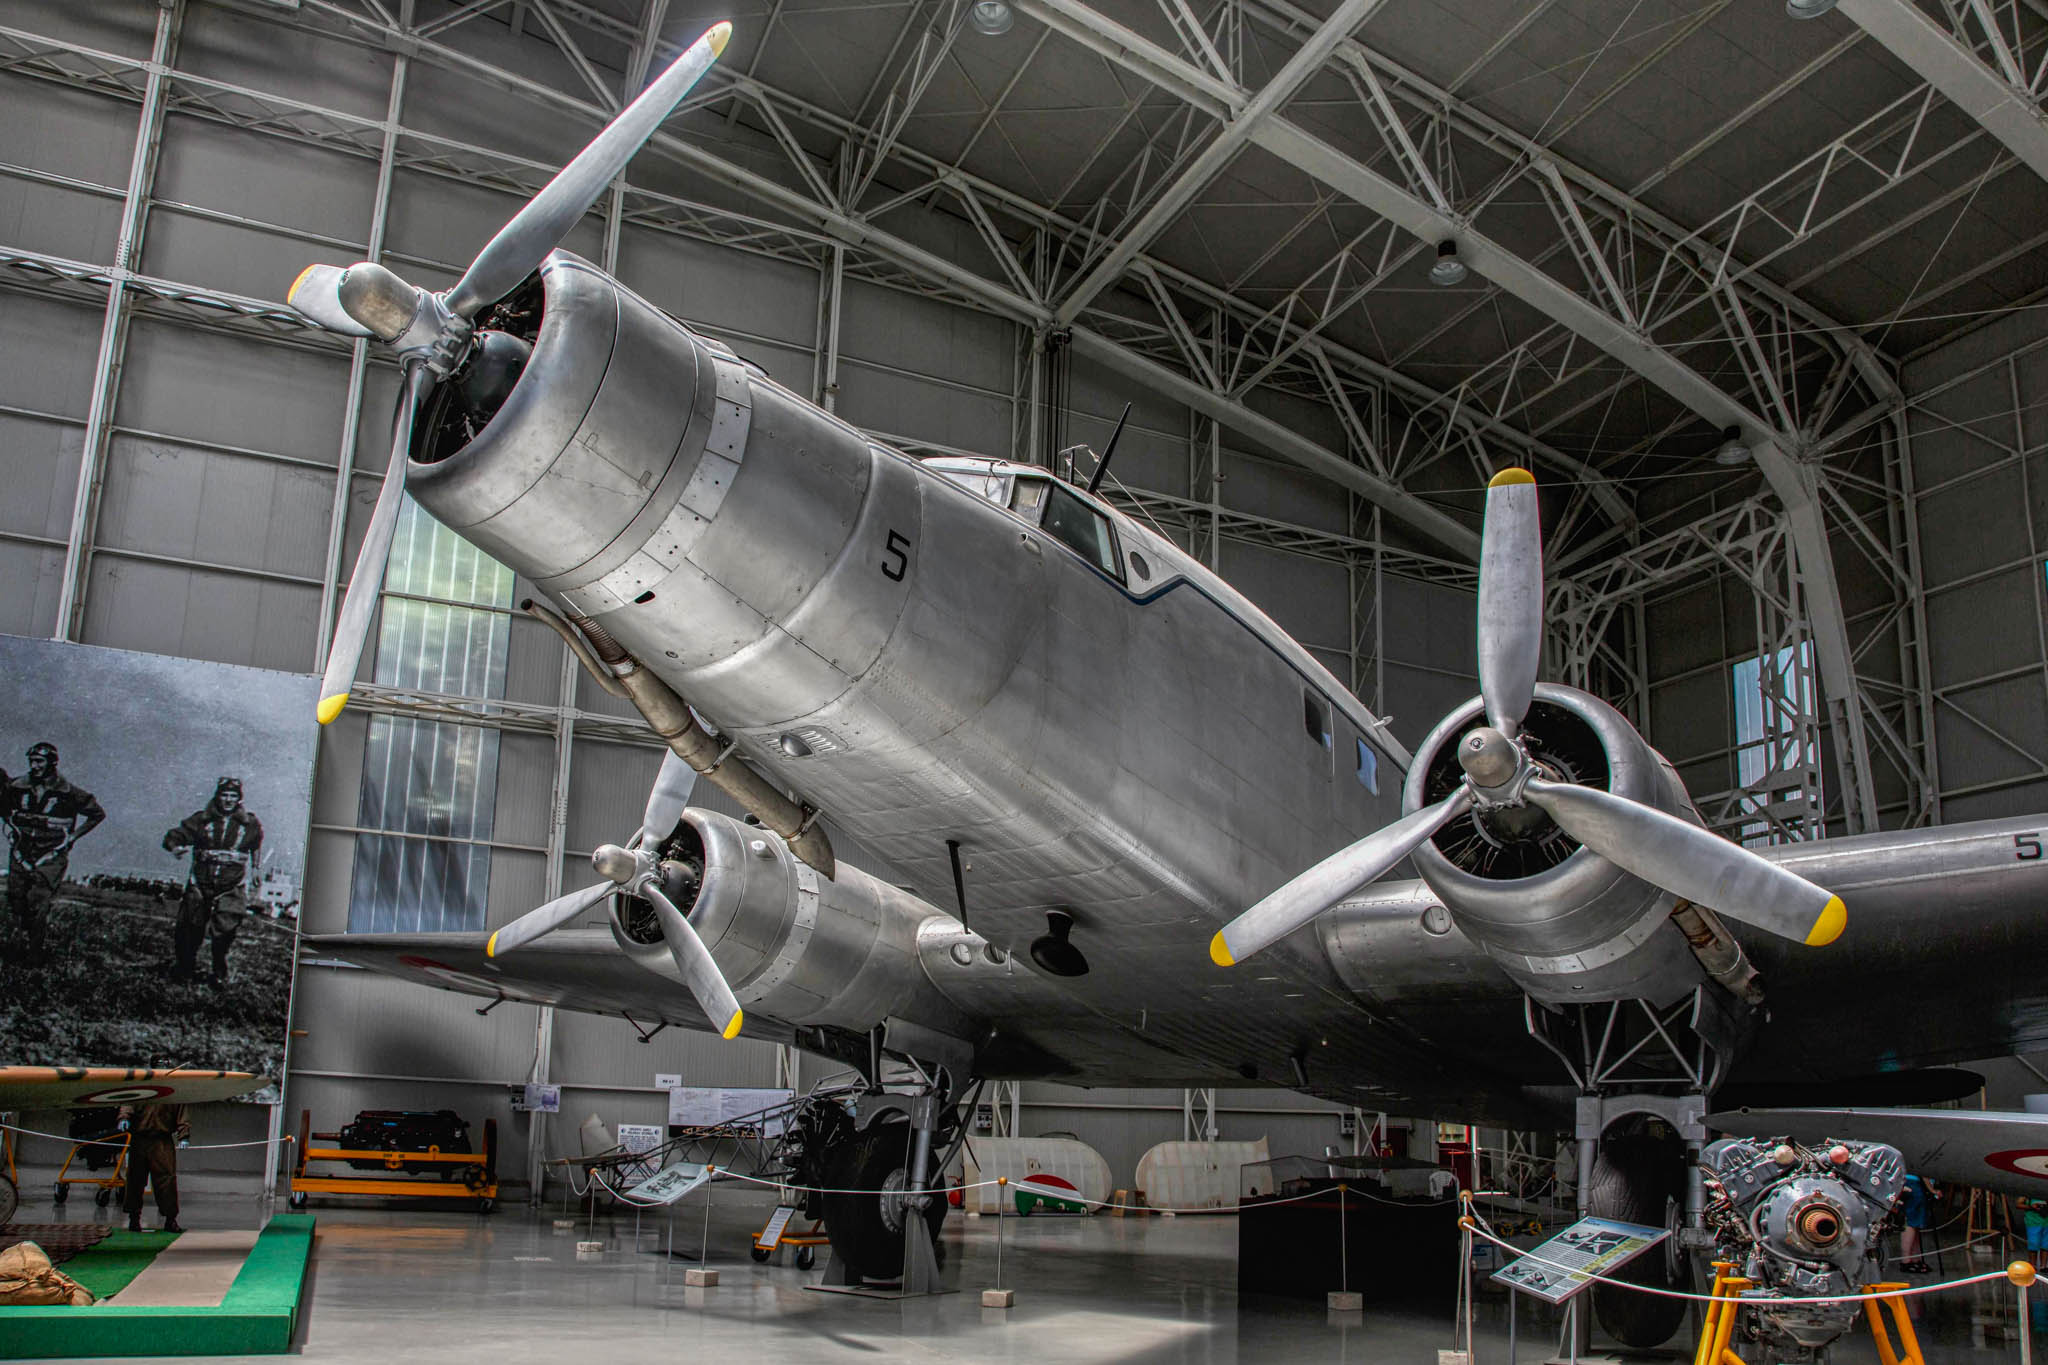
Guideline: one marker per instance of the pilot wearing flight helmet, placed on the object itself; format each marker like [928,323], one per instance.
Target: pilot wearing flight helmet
[223,839]
[44,815]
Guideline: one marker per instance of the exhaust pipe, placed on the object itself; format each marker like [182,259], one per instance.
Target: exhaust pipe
[622,675]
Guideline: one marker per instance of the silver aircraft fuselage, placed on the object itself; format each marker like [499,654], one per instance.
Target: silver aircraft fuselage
[975,651]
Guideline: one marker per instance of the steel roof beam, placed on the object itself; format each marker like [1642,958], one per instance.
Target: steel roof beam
[1999,97]
[1242,124]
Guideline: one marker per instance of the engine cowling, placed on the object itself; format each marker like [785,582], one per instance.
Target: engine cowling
[841,952]
[1564,922]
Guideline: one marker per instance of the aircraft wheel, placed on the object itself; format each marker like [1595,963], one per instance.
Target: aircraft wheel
[866,1227]
[1635,1179]
[10,1200]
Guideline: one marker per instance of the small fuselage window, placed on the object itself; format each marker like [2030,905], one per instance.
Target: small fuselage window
[1081,528]
[1315,718]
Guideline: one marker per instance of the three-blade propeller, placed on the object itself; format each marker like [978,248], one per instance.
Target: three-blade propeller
[1661,849]
[635,871]
[434,333]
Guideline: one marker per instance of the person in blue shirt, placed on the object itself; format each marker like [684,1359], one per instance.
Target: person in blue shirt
[1916,1205]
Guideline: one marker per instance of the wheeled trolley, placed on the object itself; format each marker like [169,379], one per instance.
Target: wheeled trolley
[429,1174]
[110,1151]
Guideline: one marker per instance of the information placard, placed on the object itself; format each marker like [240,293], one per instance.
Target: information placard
[1562,1266]
[640,1137]
[670,1183]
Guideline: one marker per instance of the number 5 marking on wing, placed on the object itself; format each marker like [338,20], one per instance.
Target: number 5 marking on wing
[898,543]
[2029,846]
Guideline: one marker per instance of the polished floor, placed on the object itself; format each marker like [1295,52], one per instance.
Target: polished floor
[391,1284]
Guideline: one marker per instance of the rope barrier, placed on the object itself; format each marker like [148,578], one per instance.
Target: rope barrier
[1067,1196]
[116,1137]
[1709,1298]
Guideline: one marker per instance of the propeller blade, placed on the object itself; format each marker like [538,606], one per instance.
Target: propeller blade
[316,295]
[1510,599]
[665,802]
[547,919]
[1688,861]
[699,969]
[524,242]
[352,630]
[1331,880]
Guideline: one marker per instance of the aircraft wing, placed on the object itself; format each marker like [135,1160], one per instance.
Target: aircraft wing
[87,1087]
[2006,1152]
[572,969]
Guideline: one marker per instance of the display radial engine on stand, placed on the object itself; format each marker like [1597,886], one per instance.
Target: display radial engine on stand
[1049,717]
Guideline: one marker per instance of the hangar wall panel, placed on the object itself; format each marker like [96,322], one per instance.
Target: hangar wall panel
[1980,457]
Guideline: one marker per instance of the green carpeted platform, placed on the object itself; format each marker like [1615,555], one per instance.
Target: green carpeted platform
[109,1264]
[257,1316]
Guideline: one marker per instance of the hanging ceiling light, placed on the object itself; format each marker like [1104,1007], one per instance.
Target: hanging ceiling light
[1731,451]
[1448,269]
[992,18]
[1808,9]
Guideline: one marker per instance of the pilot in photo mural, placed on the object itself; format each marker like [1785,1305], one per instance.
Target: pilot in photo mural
[44,814]
[222,840]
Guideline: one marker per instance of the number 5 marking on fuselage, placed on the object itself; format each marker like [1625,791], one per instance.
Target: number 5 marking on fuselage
[2029,846]
[898,543]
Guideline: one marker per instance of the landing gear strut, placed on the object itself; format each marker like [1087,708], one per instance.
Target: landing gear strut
[1643,1073]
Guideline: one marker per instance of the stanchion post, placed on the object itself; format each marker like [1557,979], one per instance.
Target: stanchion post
[702,1276]
[1344,1300]
[2022,1274]
[1000,1297]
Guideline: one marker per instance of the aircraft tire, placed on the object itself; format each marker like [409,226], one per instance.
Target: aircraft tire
[1634,1179]
[861,1233]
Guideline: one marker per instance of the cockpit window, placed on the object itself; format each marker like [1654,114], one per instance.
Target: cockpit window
[1029,499]
[1080,527]
[982,483]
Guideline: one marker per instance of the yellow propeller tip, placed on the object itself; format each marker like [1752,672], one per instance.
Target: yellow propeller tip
[1833,919]
[1507,478]
[732,1027]
[718,37]
[1219,952]
[293,292]
[491,948]
[330,707]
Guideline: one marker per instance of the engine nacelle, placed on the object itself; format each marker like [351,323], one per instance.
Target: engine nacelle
[1564,922]
[842,952]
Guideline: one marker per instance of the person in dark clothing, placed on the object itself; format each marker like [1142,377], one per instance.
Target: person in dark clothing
[223,840]
[155,1133]
[44,816]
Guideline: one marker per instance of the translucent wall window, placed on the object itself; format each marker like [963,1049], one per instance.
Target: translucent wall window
[432,785]
[1777,752]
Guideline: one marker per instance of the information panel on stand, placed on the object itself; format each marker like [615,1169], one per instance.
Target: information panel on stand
[1567,1263]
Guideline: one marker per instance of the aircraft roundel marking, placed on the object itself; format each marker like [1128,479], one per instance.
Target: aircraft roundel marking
[134,1094]
[2031,1161]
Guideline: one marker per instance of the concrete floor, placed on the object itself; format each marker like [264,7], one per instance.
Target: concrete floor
[397,1283]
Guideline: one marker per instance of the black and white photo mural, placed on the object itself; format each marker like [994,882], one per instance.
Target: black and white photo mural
[155,811]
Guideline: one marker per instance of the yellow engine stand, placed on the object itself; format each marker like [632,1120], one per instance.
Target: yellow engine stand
[1908,1352]
[1719,1328]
